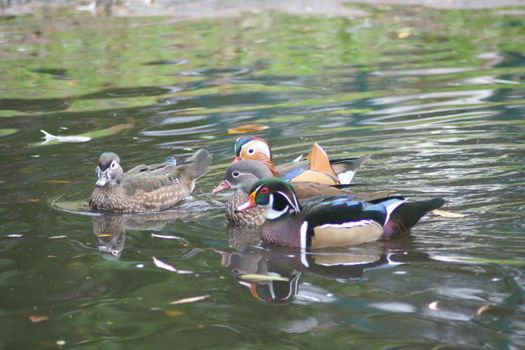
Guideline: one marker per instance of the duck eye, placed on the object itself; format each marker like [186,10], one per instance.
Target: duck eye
[236,174]
[113,165]
[251,150]
[264,190]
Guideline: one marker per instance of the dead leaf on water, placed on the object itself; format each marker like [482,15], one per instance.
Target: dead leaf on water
[447,214]
[190,300]
[243,129]
[163,265]
[112,130]
[261,278]
[33,200]
[173,313]
[104,235]
[434,306]
[164,236]
[58,182]
[38,318]
[483,309]
[57,237]
[403,34]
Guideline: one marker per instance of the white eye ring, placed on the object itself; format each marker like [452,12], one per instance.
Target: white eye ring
[236,174]
[113,165]
[251,150]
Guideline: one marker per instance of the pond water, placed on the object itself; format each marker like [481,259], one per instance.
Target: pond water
[436,97]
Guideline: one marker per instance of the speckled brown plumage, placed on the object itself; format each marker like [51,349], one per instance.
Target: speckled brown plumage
[256,216]
[148,189]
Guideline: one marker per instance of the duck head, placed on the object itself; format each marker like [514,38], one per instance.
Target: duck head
[109,171]
[252,148]
[242,175]
[277,195]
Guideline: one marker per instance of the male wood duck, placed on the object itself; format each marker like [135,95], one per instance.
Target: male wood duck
[330,221]
[241,176]
[145,188]
[316,167]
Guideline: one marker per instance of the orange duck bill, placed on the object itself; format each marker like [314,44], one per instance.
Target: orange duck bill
[223,186]
[250,204]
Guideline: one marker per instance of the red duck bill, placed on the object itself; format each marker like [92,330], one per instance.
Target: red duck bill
[223,186]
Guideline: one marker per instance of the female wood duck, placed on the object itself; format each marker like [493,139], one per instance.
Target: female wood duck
[145,188]
[241,176]
[330,221]
[316,167]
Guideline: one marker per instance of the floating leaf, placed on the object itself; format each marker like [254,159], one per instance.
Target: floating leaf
[59,138]
[190,300]
[447,214]
[163,265]
[434,306]
[104,235]
[243,129]
[164,236]
[173,313]
[33,200]
[260,278]
[112,130]
[403,34]
[57,237]
[483,309]
[56,181]
[38,318]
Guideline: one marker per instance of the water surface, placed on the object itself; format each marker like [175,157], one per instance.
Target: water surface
[437,98]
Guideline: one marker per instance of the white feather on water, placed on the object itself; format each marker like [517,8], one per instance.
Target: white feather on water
[51,137]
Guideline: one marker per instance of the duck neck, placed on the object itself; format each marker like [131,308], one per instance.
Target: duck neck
[268,162]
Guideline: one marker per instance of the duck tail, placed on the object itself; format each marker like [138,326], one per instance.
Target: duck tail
[345,168]
[407,215]
[196,165]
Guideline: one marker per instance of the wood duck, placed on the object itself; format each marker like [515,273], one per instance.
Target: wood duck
[330,221]
[316,167]
[241,176]
[145,188]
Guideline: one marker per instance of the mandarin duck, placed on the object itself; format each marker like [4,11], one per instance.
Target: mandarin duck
[316,167]
[241,176]
[330,221]
[145,188]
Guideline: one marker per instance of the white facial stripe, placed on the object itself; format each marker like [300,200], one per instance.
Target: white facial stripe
[258,145]
[293,201]
[271,213]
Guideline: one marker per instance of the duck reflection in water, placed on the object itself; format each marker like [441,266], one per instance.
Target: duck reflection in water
[273,274]
[110,229]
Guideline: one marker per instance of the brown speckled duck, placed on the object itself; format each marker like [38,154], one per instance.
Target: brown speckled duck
[145,188]
[241,176]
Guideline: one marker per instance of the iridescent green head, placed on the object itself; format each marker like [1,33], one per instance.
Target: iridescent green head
[277,195]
